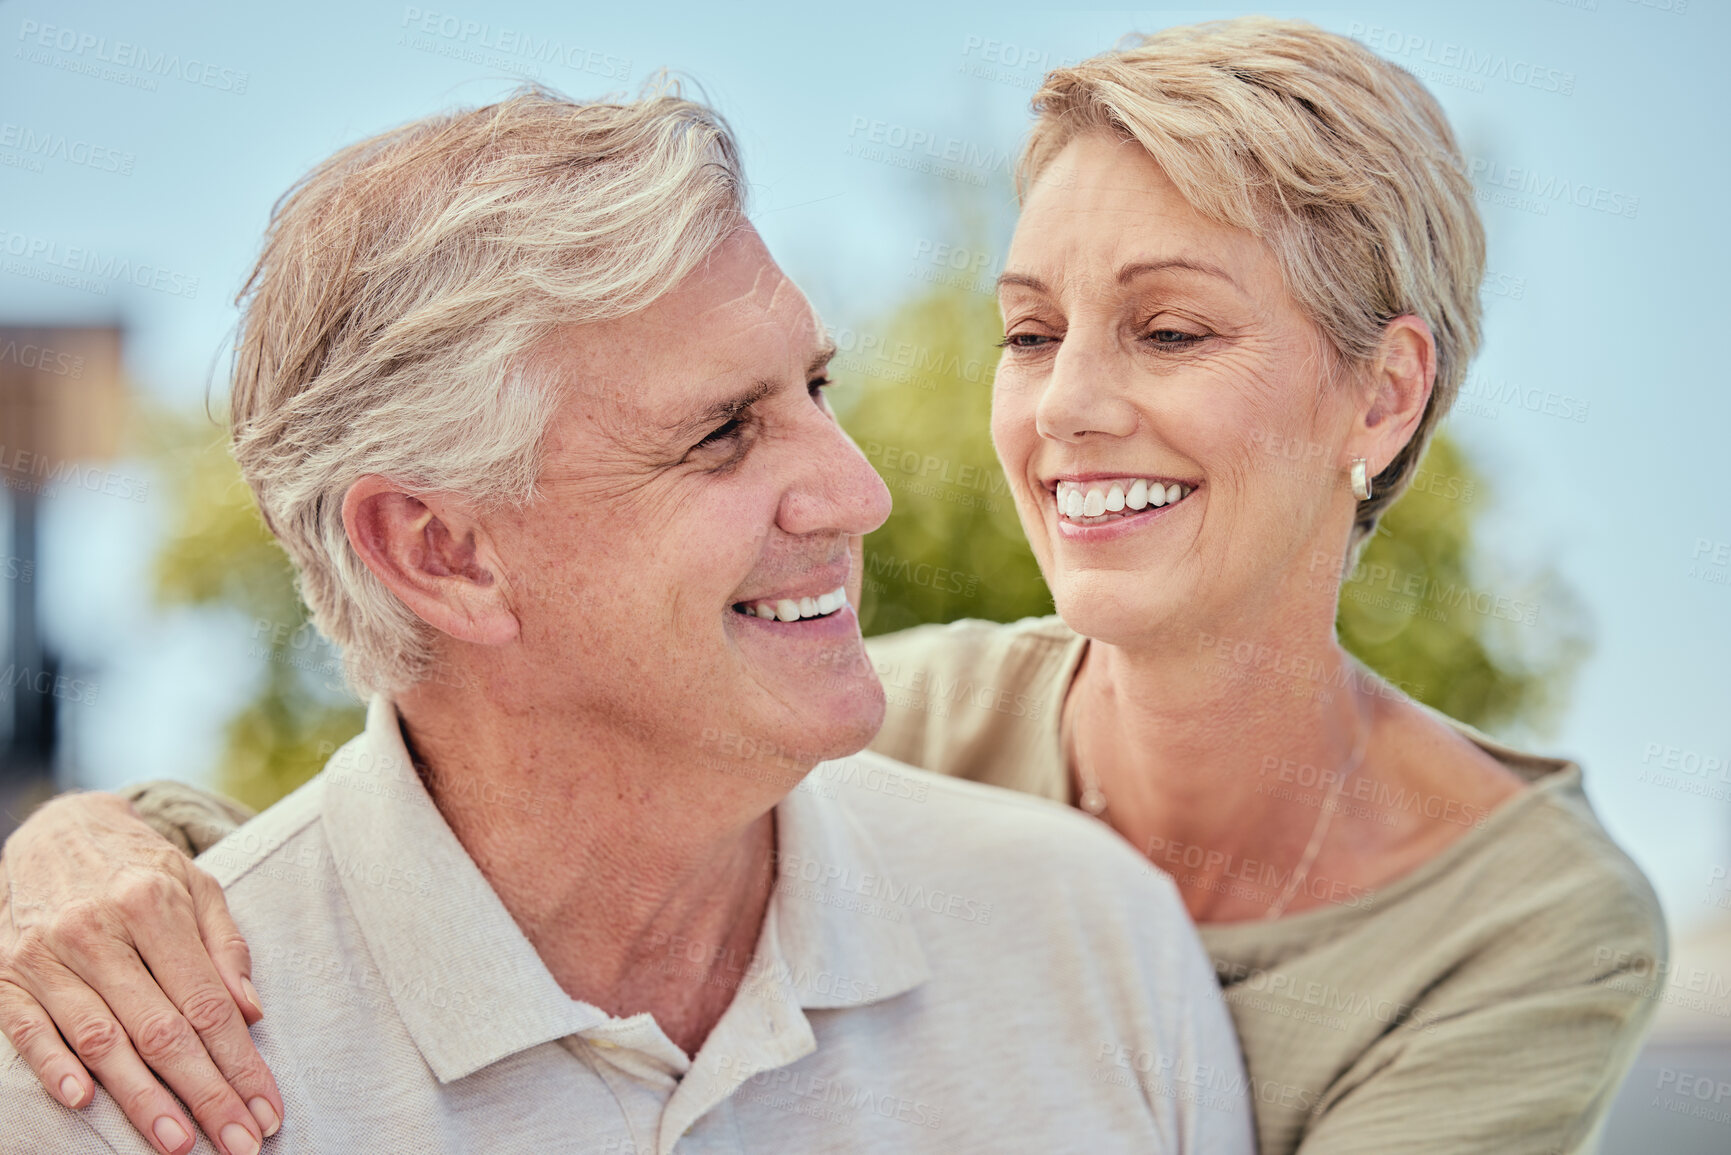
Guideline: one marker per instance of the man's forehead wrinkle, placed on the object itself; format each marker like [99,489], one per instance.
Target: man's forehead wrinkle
[766,281]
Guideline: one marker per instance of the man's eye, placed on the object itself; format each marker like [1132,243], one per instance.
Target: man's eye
[723,432]
[818,384]
[1024,341]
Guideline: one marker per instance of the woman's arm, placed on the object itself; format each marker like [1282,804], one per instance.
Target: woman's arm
[1533,1072]
[192,820]
[113,941]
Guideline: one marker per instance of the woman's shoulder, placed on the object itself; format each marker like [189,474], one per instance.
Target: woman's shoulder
[968,642]
[1570,863]
[1541,887]
[1552,837]
[977,699]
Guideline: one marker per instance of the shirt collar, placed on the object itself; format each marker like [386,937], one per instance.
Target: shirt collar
[840,925]
[467,983]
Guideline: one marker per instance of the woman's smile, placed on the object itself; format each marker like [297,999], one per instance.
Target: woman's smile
[1093,508]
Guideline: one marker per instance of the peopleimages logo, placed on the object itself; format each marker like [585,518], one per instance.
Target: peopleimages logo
[89,49]
[95,265]
[512,42]
[1461,58]
[1542,187]
[59,146]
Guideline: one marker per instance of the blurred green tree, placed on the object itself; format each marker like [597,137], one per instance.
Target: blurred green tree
[219,555]
[953,546]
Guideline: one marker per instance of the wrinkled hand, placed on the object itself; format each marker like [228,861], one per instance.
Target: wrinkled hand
[114,942]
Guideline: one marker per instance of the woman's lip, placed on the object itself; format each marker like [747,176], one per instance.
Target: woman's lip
[1050,484]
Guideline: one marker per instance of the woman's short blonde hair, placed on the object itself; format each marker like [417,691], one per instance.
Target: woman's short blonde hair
[390,323]
[1337,159]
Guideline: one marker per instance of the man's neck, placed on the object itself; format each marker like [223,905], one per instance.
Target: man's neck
[642,883]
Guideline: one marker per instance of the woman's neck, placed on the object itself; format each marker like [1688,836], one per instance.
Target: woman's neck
[1216,763]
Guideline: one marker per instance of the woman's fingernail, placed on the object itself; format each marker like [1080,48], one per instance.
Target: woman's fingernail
[170,1133]
[71,1091]
[264,1115]
[237,1140]
[251,994]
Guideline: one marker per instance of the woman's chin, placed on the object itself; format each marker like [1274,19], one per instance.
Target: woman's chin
[1118,609]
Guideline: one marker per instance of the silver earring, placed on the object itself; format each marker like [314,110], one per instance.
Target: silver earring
[1360,479]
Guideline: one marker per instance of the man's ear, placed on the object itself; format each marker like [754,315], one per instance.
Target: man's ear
[433,554]
[1396,394]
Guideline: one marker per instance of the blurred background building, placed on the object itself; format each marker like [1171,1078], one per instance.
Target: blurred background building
[62,404]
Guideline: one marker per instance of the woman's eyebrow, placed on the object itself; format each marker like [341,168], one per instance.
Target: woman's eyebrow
[1025,280]
[1135,269]
[1128,273]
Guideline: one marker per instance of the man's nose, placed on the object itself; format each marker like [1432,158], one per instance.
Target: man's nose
[836,489]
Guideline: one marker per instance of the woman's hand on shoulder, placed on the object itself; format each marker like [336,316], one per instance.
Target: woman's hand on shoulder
[118,958]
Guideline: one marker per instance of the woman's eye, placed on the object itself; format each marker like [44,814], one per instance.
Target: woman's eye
[1173,337]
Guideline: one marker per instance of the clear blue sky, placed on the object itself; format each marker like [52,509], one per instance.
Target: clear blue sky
[1618,313]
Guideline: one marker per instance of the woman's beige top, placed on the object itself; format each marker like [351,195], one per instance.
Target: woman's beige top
[1489,1001]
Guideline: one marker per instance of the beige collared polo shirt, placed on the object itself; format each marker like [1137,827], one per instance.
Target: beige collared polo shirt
[944,967]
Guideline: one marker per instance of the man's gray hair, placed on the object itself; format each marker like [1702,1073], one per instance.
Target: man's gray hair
[390,324]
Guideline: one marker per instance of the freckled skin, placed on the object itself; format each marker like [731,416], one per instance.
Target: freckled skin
[651,542]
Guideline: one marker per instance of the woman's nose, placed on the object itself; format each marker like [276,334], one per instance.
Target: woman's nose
[1085,393]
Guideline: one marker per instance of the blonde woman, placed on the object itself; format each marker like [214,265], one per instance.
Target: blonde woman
[1237,239]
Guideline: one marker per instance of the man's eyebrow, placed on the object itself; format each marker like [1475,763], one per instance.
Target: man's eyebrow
[821,359]
[727,409]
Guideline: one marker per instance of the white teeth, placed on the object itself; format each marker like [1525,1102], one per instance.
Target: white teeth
[789,610]
[1077,502]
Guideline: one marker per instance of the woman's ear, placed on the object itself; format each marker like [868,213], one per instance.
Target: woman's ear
[1399,388]
[434,554]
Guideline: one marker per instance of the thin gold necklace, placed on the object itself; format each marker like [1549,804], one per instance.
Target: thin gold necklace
[1093,800]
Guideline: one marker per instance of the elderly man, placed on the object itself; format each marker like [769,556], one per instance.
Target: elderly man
[541,425]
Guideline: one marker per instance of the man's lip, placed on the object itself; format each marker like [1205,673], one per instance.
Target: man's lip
[810,588]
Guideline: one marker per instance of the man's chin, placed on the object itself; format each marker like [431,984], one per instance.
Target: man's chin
[840,725]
